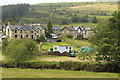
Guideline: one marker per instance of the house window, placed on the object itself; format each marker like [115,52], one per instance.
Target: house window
[15,31]
[73,32]
[15,36]
[32,37]
[78,30]
[26,36]
[37,31]
[37,36]
[55,48]
[21,36]
[27,31]
[66,47]
[32,31]
[20,31]
[69,47]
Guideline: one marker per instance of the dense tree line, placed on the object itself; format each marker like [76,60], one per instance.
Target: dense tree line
[14,11]
[106,38]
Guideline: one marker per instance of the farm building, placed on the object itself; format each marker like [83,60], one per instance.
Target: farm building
[62,49]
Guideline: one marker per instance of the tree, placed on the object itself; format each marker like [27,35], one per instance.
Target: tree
[48,30]
[75,18]
[107,41]
[21,50]
[80,37]
[41,39]
[94,20]
[5,42]
[69,36]
[10,20]
[85,19]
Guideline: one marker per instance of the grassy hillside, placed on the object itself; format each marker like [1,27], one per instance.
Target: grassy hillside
[66,41]
[37,73]
[61,13]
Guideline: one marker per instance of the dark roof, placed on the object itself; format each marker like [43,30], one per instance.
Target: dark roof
[58,28]
[74,28]
[71,28]
[24,27]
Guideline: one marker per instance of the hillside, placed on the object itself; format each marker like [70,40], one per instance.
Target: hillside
[64,13]
[61,14]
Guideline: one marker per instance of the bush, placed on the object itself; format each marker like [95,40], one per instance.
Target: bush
[4,44]
[66,65]
[41,39]
[94,20]
[69,36]
[85,19]
[80,37]
[24,49]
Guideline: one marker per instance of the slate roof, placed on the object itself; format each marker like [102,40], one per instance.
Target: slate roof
[74,28]
[24,27]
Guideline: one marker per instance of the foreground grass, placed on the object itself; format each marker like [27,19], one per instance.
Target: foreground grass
[37,73]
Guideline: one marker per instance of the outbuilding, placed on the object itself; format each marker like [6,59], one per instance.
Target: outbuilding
[62,49]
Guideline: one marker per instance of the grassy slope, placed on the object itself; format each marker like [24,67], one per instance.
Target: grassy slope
[86,9]
[65,41]
[98,6]
[36,73]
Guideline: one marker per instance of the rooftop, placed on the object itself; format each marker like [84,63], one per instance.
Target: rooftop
[12,27]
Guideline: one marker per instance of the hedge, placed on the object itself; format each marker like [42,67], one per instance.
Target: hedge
[65,65]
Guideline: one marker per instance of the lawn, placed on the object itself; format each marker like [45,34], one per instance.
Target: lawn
[37,73]
[66,41]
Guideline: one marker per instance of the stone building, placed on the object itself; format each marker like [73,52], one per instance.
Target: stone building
[24,31]
[56,30]
[75,31]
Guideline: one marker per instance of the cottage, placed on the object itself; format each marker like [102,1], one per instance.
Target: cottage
[62,49]
[75,31]
[56,30]
[24,31]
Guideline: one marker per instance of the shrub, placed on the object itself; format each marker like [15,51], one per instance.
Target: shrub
[41,39]
[23,50]
[66,65]
[80,37]
[69,36]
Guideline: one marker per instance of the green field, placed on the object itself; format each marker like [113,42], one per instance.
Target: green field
[37,73]
[66,41]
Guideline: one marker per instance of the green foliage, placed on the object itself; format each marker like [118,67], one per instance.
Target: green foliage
[4,44]
[69,36]
[75,18]
[66,65]
[87,56]
[94,20]
[48,30]
[106,40]
[11,21]
[42,38]
[80,37]
[14,11]
[84,19]
[20,50]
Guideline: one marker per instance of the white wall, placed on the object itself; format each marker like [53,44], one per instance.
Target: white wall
[62,49]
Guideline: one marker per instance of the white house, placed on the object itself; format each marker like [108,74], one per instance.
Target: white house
[62,49]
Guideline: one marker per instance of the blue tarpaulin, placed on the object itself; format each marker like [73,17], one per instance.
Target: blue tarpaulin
[86,49]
